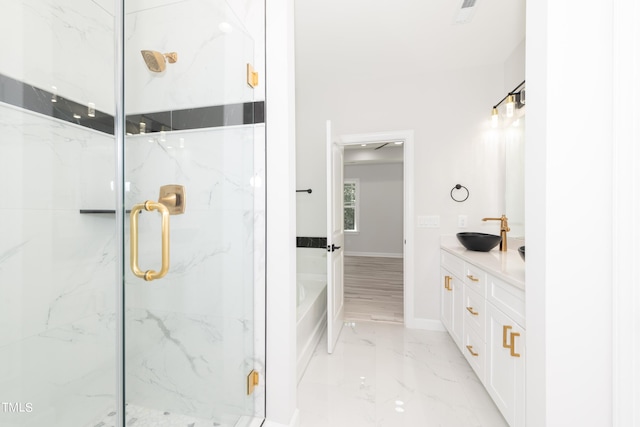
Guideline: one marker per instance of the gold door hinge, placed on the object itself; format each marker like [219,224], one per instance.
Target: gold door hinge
[252,76]
[253,379]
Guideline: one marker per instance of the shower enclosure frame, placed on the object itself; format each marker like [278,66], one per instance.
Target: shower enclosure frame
[119,134]
[120,131]
[78,105]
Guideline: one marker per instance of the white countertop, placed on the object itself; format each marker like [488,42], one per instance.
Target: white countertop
[507,266]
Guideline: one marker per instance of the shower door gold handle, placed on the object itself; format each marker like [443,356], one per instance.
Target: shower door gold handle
[172,201]
[149,274]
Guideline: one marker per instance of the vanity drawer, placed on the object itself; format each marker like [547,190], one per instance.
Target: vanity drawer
[452,263]
[507,298]
[476,278]
[474,311]
[474,350]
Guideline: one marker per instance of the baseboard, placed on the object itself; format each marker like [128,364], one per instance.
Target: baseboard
[425,324]
[374,254]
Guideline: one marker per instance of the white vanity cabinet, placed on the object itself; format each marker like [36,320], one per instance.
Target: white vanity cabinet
[474,313]
[504,370]
[484,313]
[505,366]
[451,271]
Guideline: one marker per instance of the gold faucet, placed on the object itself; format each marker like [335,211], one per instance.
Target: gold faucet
[504,227]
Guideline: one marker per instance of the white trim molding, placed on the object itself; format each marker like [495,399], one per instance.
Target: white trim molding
[280,381]
[407,137]
[626,215]
[374,254]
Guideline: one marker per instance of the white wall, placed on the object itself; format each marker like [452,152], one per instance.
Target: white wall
[514,67]
[453,144]
[281,215]
[626,194]
[569,172]
[380,228]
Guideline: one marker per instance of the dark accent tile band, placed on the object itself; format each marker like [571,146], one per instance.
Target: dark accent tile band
[99,211]
[311,242]
[197,118]
[22,95]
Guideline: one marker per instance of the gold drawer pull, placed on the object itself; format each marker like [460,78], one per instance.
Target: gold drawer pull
[512,348]
[505,329]
[512,344]
[447,283]
[470,310]
[473,278]
[473,353]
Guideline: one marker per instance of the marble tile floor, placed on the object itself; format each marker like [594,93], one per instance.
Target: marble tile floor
[138,416]
[373,289]
[383,375]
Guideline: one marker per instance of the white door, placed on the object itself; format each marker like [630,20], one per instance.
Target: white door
[335,240]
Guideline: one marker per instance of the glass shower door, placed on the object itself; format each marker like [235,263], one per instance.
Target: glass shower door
[190,276]
[192,344]
[57,237]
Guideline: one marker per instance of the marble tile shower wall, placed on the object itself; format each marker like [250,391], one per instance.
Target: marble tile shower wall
[57,314]
[69,45]
[57,350]
[187,343]
[205,34]
[74,52]
[57,334]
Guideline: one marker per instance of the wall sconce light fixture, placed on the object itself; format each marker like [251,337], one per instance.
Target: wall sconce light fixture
[494,117]
[514,100]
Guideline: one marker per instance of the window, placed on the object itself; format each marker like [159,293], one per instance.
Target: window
[351,205]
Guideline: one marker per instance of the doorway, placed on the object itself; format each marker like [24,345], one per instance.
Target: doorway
[362,266]
[374,249]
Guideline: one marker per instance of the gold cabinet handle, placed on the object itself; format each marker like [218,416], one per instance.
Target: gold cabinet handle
[171,201]
[473,278]
[509,343]
[447,283]
[505,329]
[473,353]
[470,310]
[149,274]
[512,348]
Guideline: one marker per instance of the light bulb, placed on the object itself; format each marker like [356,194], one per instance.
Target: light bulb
[511,104]
[494,117]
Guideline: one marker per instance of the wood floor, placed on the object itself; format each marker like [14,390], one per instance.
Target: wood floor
[373,289]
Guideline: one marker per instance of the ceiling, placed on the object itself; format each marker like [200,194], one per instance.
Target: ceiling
[373,153]
[403,36]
